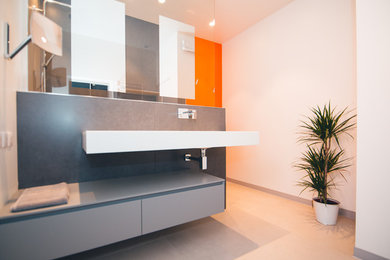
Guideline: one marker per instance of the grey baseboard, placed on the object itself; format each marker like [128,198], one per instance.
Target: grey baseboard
[347,213]
[365,255]
[343,212]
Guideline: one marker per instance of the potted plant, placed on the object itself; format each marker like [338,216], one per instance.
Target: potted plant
[324,157]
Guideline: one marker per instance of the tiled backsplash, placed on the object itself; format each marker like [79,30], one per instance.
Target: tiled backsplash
[50,130]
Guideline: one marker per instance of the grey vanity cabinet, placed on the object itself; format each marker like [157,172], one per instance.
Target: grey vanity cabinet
[62,234]
[71,230]
[177,208]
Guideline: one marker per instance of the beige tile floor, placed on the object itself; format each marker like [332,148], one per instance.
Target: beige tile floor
[255,225]
[299,236]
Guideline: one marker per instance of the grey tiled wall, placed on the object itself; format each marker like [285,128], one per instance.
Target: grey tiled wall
[49,138]
[142,55]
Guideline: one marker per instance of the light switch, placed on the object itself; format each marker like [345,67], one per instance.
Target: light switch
[2,140]
[9,139]
[5,140]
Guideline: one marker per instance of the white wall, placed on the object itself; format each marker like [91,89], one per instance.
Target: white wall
[98,43]
[13,77]
[273,73]
[373,86]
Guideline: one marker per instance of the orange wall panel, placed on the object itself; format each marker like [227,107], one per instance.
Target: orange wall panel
[218,75]
[208,74]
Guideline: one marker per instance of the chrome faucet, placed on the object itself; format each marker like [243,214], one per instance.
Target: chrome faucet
[185,113]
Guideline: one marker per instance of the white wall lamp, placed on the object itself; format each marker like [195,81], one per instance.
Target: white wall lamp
[45,33]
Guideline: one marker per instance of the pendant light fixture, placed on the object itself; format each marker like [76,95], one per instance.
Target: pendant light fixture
[212,22]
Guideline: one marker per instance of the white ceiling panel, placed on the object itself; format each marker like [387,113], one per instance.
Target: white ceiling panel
[232,16]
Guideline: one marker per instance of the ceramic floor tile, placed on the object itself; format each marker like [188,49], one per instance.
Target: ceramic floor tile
[153,250]
[293,247]
[210,239]
[292,216]
[249,225]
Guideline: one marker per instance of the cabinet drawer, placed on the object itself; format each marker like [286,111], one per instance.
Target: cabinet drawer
[173,209]
[68,233]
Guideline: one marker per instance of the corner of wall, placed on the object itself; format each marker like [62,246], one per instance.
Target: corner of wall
[273,72]
[13,77]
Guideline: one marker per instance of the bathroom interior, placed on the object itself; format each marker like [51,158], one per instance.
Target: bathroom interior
[169,129]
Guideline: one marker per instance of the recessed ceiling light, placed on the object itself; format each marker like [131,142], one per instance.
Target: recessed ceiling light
[212,23]
[161,1]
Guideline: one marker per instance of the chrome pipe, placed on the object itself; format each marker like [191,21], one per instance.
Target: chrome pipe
[46,63]
[203,158]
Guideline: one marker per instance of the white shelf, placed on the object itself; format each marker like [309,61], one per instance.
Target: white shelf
[136,141]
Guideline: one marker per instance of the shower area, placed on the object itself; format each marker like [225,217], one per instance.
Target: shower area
[48,73]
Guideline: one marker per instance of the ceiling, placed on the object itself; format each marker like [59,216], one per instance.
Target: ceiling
[232,16]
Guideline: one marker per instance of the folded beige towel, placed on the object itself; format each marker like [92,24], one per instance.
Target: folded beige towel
[42,196]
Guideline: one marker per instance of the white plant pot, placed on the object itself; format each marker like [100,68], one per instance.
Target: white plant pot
[326,213]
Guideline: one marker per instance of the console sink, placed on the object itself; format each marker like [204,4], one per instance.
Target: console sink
[136,141]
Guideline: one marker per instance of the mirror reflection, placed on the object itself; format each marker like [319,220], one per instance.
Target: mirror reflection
[136,49]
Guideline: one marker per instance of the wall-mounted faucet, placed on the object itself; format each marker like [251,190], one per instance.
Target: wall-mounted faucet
[185,113]
[202,159]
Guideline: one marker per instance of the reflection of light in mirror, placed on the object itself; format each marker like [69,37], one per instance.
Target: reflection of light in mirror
[161,1]
[35,8]
[43,39]
[212,23]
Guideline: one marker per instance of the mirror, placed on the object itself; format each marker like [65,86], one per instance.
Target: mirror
[137,49]
[98,46]
[177,58]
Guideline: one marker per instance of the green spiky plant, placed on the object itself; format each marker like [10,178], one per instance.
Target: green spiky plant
[321,131]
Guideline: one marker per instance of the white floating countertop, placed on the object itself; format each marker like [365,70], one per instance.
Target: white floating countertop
[136,141]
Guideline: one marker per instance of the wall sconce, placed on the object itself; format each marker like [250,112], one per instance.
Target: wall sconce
[44,33]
